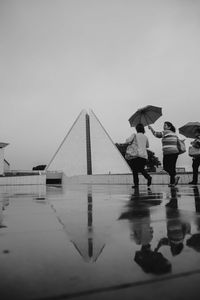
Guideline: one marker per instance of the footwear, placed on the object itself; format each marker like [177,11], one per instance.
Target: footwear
[135,186]
[177,180]
[171,204]
[171,185]
[149,180]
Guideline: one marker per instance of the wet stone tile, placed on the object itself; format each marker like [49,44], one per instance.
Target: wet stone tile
[75,239]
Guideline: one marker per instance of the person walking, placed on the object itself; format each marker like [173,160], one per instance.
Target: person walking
[170,150]
[196,159]
[138,164]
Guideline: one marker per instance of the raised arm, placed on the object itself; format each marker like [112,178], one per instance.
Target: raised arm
[158,134]
[130,138]
[147,144]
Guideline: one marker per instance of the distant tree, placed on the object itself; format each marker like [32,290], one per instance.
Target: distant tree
[152,161]
[122,148]
[39,167]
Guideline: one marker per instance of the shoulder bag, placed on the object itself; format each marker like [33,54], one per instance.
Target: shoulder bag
[132,150]
[194,152]
[181,146]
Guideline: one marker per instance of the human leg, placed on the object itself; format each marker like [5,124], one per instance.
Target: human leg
[169,165]
[134,167]
[175,178]
[166,163]
[195,167]
[166,167]
[141,168]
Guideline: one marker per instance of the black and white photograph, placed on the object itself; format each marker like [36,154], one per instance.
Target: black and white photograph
[99,149]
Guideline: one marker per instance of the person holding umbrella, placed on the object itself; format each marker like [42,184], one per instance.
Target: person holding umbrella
[142,117]
[138,163]
[170,150]
[192,130]
[196,159]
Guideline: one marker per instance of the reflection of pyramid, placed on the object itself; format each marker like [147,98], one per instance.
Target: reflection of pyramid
[87,234]
[87,149]
[91,247]
[89,251]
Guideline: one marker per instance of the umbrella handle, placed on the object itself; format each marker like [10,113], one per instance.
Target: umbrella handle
[152,130]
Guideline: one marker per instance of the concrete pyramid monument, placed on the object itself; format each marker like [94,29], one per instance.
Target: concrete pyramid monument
[87,149]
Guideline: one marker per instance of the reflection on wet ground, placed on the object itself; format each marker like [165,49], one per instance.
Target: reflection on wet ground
[90,240]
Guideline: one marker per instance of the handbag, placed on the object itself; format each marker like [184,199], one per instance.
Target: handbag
[194,151]
[132,150]
[181,146]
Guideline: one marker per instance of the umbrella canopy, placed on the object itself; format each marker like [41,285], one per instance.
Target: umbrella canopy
[3,145]
[146,115]
[189,129]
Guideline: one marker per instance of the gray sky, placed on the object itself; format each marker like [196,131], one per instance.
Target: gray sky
[58,57]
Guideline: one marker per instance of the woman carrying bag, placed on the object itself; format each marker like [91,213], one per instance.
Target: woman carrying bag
[170,150]
[194,151]
[138,162]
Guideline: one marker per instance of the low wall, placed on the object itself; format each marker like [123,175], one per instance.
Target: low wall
[157,178]
[23,180]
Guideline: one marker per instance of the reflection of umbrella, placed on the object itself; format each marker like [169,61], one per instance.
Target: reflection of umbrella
[152,261]
[3,145]
[189,129]
[194,242]
[146,115]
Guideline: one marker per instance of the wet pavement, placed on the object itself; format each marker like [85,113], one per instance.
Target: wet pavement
[99,242]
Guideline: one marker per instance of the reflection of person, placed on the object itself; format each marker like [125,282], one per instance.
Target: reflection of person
[170,150]
[141,232]
[197,206]
[197,199]
[176,228]
[138,214]
[196,159]
[194,240]
[138,164]
[3,204]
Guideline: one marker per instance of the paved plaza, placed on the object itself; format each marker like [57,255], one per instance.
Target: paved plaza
[99,242]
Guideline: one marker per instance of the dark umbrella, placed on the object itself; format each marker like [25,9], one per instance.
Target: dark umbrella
[146,115]
[194,242]
[189,129]
[3,145]
[152,261]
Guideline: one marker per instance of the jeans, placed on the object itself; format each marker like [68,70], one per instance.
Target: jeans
[169,165]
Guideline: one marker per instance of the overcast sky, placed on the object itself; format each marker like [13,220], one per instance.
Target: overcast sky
[58,57]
